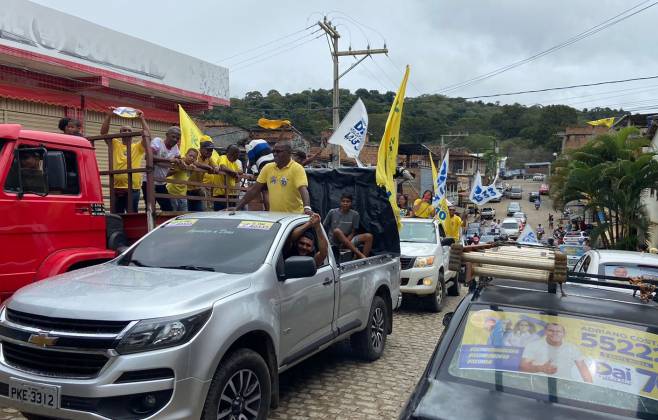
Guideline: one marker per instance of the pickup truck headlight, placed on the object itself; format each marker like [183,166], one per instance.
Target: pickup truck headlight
[159,333]
[424,261]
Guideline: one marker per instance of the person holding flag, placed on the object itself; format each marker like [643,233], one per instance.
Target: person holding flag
[387,155]
[423,208]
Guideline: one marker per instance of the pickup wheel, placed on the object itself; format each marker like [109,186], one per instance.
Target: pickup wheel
[435,301]
[453,290]
[240,389]
[369,344]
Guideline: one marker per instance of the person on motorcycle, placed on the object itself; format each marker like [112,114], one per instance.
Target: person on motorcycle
[540,231]
[537,203]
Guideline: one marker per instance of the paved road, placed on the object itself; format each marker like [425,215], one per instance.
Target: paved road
[535,217]
[335,385]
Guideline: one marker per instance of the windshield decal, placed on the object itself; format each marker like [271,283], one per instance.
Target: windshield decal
[182,223]
[253,225]
[586,351]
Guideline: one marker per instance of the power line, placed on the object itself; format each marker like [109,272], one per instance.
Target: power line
[585,34]
[265,44]
[521,92]
[275,53]
[280,47]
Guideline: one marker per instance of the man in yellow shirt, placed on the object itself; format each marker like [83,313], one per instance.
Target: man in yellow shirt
[229,173]
[423,206]
[453,224]
[286,182]
[119,148]
[208,161]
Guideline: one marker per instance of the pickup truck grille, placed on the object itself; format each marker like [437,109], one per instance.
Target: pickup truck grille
[65,324]
[53,362]
[407,262]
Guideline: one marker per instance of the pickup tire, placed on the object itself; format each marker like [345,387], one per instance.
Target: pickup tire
[369,344]
[435,301]
[453,290]
[244,379]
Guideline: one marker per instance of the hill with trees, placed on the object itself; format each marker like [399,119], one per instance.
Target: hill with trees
[524,133]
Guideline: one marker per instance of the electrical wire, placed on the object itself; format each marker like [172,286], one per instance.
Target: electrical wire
[561,87]
[265,44]
[585,34]
[274,54]
[278,48]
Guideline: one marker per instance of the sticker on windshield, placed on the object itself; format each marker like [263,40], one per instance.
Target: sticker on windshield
[182,223]
[602,354]
[253,225]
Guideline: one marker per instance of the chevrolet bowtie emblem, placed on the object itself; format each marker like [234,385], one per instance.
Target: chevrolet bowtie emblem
[42,339]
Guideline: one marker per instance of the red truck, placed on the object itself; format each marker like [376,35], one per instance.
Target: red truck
[52,217]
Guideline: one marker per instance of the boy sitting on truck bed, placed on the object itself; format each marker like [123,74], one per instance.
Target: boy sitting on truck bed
[341,225]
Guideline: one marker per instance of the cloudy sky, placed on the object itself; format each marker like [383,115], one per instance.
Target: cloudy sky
[444,42]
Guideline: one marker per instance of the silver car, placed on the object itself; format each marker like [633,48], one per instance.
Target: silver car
[196,320]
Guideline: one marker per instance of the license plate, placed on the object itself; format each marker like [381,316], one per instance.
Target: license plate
[34,393]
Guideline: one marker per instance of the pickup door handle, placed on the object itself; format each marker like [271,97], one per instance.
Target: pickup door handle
[82,209]
[327,282]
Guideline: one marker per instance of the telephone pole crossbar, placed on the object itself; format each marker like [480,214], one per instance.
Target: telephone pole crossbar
[332,32]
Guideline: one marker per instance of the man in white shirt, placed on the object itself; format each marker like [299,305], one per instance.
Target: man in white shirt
[164,153]
[552,356]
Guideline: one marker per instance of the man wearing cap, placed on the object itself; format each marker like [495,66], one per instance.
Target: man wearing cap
[453,224]
[207,163]
[229,173]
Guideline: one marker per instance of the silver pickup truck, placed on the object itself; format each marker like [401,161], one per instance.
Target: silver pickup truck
[195,321]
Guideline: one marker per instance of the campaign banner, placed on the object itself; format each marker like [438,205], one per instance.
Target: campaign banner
[608,355]
[481,194]
[351,133]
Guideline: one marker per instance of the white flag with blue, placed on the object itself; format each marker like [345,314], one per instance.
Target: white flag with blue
[528,236]
[480,194]
[440,181]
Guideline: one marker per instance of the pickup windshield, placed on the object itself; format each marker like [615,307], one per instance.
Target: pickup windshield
[591,363]
[222,245]
[418,232]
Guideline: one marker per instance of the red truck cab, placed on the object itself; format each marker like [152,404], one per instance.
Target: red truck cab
[52,218]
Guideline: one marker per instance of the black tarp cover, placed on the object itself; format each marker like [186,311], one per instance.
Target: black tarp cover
[326,187]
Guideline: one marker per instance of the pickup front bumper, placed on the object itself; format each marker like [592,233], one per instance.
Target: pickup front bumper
[422,281]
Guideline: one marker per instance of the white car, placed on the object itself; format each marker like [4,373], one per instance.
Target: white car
[510,227]
[488,213]
[424,262]
[520,217]
[615,263]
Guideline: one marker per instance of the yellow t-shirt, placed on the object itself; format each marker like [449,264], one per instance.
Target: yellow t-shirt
[202,176]
[229,181]
[453,227]
[283,186]
[178,189]
[425,211]
[120,161]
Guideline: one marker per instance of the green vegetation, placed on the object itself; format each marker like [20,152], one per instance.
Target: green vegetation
[610,174]
[523,133]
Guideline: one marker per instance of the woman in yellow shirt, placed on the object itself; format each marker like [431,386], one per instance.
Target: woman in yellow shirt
[423,206]
[180,172]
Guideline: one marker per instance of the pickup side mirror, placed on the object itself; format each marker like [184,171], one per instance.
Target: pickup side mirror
[297,267]
[447,241]
[446,318]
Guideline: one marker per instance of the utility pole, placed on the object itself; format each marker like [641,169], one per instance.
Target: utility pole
[330,30]
[443,151]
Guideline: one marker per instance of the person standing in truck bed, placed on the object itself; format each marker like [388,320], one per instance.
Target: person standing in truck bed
[119,150]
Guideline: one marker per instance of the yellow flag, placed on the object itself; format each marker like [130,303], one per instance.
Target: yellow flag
[190,135]
[273,124]
[603,121]
[387,156]
[442,207]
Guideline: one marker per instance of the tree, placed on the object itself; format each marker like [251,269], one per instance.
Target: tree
[610,174]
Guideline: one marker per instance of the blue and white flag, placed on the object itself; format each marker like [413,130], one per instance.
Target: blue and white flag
[528,236]
[351,133]
[440,181]
[480,194]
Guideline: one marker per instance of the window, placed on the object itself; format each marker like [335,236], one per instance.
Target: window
[43,171]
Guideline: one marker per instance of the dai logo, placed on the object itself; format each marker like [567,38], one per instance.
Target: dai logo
[355,135]
[612,373]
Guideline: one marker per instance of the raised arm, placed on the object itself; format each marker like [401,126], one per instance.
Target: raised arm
[105,127]
[146,136]
[323,246]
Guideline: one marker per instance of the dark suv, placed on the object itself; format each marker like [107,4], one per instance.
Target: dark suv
[518,349]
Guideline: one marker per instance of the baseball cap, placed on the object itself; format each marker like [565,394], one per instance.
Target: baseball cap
[206,144]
